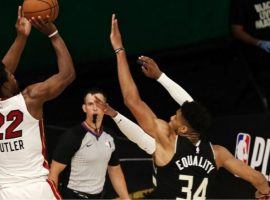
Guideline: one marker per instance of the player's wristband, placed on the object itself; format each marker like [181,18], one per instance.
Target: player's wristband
[53,34]
[119,49]
[118,118]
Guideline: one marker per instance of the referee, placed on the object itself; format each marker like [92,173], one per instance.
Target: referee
[86,151]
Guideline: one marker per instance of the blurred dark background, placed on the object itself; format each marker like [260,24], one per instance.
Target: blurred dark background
[189,39]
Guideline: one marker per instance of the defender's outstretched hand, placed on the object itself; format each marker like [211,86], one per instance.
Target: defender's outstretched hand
[47,28]
[115,35]
[149,67]
[105,107]
[22,25]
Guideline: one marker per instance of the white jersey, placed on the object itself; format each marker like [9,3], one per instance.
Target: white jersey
[22,144]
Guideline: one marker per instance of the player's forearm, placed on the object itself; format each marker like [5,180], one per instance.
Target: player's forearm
[239,33]
[65,63]
[127,84]
[12,57]
[175,90]
[259,182]
[135,133]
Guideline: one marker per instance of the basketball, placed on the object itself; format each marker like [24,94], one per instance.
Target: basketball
[35,8]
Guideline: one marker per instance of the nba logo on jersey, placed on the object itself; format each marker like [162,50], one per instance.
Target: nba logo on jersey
[242,147]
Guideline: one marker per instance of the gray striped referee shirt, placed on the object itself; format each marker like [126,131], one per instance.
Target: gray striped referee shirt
[87,157]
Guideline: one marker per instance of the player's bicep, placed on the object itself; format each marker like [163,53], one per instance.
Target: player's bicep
[48,89]
[236,166]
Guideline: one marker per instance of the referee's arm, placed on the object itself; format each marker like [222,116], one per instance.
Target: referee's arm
[68,144]
[116,175]
[56,169]
[118,181]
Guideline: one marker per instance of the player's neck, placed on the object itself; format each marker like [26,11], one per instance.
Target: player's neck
[193,137]
[6,94]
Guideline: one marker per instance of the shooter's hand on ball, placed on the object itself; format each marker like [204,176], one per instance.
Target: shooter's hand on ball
[47,28]
[22,25]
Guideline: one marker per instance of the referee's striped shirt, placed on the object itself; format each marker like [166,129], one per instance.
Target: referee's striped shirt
[87,157]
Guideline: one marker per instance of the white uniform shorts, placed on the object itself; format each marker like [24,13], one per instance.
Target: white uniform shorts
[44,190]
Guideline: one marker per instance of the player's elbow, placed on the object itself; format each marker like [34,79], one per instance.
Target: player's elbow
[70,77]
[130,101]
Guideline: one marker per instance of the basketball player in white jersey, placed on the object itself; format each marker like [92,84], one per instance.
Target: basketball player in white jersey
[23,166]
[178,138]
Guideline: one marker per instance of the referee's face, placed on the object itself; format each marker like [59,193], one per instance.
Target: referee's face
[90,107]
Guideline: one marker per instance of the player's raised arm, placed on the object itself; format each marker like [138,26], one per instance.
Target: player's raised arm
[12,57]
[151,70]
[53,86]
[143,114]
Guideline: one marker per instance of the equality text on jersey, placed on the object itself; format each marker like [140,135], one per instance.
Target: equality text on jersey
[198,161]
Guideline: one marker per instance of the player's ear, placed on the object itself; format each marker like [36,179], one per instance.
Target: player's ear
[183,129]
[83,108]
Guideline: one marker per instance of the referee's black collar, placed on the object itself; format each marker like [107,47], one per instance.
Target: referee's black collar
[90,131]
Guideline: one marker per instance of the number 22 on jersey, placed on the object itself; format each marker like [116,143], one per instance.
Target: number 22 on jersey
[16,118]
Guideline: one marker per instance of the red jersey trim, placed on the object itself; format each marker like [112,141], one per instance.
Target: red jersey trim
[54,189]
[43,143]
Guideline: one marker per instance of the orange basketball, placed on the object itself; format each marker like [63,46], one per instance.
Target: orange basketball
[35,8]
